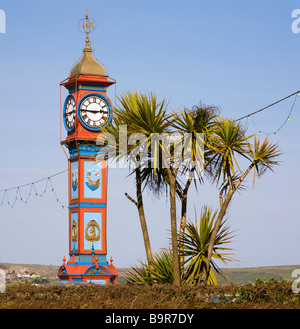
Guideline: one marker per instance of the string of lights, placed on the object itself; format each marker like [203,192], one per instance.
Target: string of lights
[288,118]
[266,107]
[19,195]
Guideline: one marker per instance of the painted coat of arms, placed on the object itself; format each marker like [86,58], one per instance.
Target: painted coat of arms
[93,179]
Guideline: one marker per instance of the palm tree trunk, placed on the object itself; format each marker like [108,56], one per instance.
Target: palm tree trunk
[142,214]
[176,265]
[214,234]
[183,198]
[140,206]
[224,205]
[183,216]
[181,231]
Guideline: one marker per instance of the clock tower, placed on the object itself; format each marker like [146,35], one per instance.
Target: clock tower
[87,109]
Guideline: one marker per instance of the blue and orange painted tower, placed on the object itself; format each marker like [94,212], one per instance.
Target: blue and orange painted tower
[87,109]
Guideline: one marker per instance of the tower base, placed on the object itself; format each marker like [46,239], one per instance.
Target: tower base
[89,272]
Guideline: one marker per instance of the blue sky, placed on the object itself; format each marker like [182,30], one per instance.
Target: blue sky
[236,55]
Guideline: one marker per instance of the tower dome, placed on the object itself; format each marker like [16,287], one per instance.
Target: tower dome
[87,64]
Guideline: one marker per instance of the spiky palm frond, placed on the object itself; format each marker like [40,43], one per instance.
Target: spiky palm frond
[194,245]
[143,113]
[159,270]
[228,141]
[198,120]
[263,156]
[195,125]
[138,275]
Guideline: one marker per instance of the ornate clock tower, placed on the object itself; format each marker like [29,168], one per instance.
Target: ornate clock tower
[87,109]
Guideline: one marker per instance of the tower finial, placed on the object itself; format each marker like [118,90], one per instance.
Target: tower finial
[88,26]
[87,64]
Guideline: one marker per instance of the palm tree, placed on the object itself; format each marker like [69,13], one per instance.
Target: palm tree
[200,120]
[228,141]
[187,123]
[195,242]
[191,124]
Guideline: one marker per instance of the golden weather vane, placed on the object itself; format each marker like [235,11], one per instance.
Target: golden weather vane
[87,26]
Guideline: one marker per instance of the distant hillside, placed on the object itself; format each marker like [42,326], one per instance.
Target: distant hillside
[42,270]
[250,274]
[236,275]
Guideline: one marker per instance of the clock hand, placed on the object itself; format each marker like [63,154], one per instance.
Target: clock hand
[69,113]
[94,111]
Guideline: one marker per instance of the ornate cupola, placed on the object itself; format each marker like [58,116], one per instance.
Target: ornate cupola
[87,64]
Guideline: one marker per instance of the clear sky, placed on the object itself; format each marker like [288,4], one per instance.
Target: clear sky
[238,55]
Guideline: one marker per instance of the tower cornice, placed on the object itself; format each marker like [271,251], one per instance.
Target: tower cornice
[88,79]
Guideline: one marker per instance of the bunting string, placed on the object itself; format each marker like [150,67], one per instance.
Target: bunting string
[19,195]
[266,107]
[288,118]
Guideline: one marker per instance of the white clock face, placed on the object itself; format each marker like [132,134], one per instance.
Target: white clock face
[94,111]
[70,112]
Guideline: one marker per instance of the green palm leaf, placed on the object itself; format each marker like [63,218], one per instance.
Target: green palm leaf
[263,156]
[227,141]
[194,244]
[159,270]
